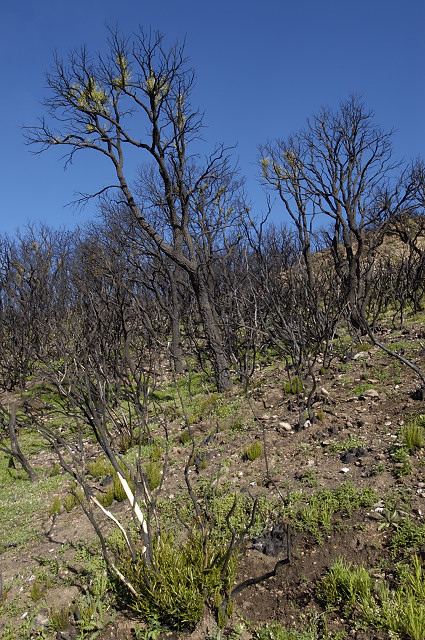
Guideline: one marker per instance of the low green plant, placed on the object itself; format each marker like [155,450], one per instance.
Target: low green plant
[388,518]
[293,386]
[309,478]
[361,388]
[73,499]
[184,437]
[314,514]
[37,590]
[348,443]
[119,493]
[345,586]
[154,474]
[56,506]
[276,631]
[401,458]
[378,468]
[59,618]
[253,451]
[413,434]
[397,610]
[185,576]
[156,453]
[55,470]
[152,631]
[107,498]
[100,467]
[407,537]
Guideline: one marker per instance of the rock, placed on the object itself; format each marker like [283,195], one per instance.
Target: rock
[285,426]
[347,456]
[70,633]
[107,480]
[41,619]
[370,393]
[344,470]
[360,355]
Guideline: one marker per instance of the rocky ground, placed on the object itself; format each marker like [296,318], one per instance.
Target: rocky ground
[362,403]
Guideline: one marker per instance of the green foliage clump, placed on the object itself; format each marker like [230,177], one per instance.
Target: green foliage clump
[203,407]
[107,498]
[100,467]
[361,388]
[348,443]
[293,386]
[413,434]
[185,437]
[119,493]
[345,585]
[56,506]
[253,451]
[59,618]
[276,631]
[315,514]
[403,465]
[408,536]
[73,498]
[156,453]
[55,470]
[154,474]
[185,576]
[37,590]
[399,610]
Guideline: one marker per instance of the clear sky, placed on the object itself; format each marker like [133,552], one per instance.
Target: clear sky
[262,68]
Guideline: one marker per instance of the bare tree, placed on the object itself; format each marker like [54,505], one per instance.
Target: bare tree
[102,105]
[340,166]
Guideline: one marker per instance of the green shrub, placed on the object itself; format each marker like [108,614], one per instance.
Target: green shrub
[345,585]
[37,590]
[100,467]
[253,451]
[55,470]
[154,474]
[185,577]
[106,499]
[293,386]
[59,618]
[119,493]
[185,437]
[56,506]
[400,456]
[398,610]
[156,453]
[412,434]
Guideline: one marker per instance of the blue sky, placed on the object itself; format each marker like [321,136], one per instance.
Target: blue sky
[262,68]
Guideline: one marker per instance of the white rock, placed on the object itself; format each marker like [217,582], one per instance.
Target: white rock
[344,470]
[285,425]
[361,354]
[370,393]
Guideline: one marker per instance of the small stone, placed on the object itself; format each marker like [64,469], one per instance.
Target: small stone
[370,393]
[285,426]
[360,355]
[324,392]
[41,620]
[344,470]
